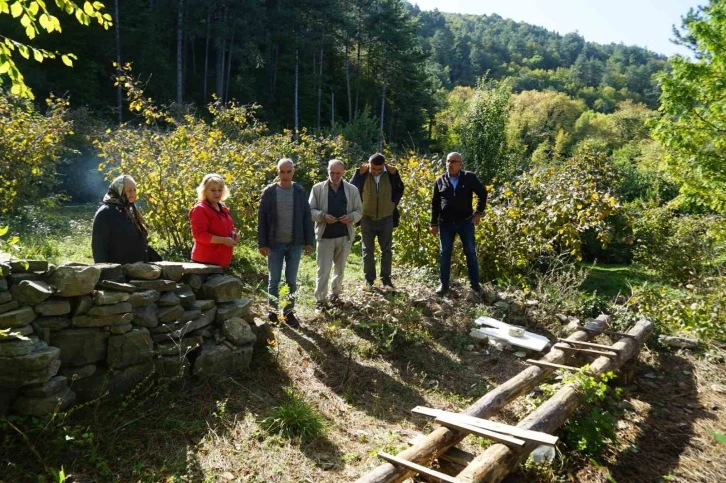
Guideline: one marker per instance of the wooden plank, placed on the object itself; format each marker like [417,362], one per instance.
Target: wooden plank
[607,332]
[453,423]
[453,455]
[416,467]
[526,435]
[529,340]
[554,366]
[589,344]
[581,350]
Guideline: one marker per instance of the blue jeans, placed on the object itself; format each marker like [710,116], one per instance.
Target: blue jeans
[447,235]
[291,255]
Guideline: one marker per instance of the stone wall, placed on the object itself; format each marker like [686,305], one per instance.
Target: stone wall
[91,330]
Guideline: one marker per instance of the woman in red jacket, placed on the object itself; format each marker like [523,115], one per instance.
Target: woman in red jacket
[212,226]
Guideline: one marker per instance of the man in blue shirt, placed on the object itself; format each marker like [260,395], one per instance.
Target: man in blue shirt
[452,214]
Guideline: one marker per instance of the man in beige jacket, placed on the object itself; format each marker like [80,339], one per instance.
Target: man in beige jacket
[336,207]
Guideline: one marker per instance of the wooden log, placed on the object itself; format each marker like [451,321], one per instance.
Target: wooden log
[581,350]
[588,344]
[453,455]
[501,428]
[605,331]
[439,441]
[498,460]
[418,468]
[555,366]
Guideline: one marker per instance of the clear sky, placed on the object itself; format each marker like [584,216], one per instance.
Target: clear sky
[646,23]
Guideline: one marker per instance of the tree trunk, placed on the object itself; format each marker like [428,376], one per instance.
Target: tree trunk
[332,108]
[347,83]
[179,51]
[119,91]
[320,84]
[383,110]
[296,92]
[274,72]
[357,82]
[206,57]
[229,67]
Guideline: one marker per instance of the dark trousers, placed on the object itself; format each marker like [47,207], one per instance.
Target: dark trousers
[383,230]
[447,235]
[289,254]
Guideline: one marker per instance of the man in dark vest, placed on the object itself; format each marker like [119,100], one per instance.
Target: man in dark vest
[381,189]
[452,214]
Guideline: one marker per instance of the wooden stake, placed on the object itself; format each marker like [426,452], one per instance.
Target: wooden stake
[589,344]
[607,332]
[452,423]
[580,350]
[418,468]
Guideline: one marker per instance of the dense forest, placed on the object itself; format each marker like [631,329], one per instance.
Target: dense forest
[323,63]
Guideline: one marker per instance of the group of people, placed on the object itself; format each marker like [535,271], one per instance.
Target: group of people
[290,223]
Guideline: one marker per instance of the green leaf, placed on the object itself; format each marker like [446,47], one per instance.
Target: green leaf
[45,23]
[25,20]
[4,8]
[33,7]
[66,60]
[88,8]
[24,51]
[37,55]
[4,67]
[30,32]
[721,438]
[4,230]
[16,9]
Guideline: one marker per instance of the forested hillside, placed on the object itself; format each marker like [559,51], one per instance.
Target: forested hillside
[323,63]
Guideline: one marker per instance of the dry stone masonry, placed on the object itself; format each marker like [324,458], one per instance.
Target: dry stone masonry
[77,332]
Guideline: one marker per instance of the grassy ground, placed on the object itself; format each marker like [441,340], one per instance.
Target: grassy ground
[614,280]
[356,372]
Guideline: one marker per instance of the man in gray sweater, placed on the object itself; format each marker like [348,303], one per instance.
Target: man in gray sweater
[284,229]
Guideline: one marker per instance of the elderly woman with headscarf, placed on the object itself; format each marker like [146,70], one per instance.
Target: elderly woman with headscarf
[119,232]
[211,223]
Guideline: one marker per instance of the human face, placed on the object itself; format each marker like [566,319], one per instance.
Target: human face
[285,172]
[130,191]
[213,193]
[453,165]
[335,174]
[376,170]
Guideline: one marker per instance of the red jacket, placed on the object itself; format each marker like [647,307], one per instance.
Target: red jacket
[205,222]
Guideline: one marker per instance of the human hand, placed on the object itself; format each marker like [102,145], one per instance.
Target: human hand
[236,236]
[308,249]
[476,218]
[364,169]
[264,251]
[345,219]
[391,168]
[434,230]
[330,219]
[228,241]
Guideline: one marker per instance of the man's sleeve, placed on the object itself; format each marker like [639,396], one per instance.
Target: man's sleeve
[435,205]
[397,192]
[481,194]
[262,224]
[315,211]
[308,230]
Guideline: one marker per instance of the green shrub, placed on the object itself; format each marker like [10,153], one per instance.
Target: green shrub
[678,248]
[295,418]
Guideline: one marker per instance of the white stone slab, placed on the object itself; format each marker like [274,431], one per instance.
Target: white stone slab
[500,330]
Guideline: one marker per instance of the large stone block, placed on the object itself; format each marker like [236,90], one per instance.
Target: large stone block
[180,329]
[237,308]
[143,298]
[110,271]
[80,347]
[130,348]
[78,373]
[158,284]
[25,266]
[17,347]
[238,332]
[222,288]
[120,329]
[8,306]
[171,270]
[73,281]
[81,305]
[172,367]
[53,307]
[40,406]
[5,297]
[201,269]
[170,314]
[168,299]
[108,297]
[53,386]
[117,286]
[264,332]
[203,304]
[179,348]
[3,284]
[33,368]
[31,292]
[143,271]
[220,360]
[16,278]
[147,316]
[191,314]
[19,317]
[51,323]
[102,320]
[194,281]
[103,310]
[117,382]
[4,269]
